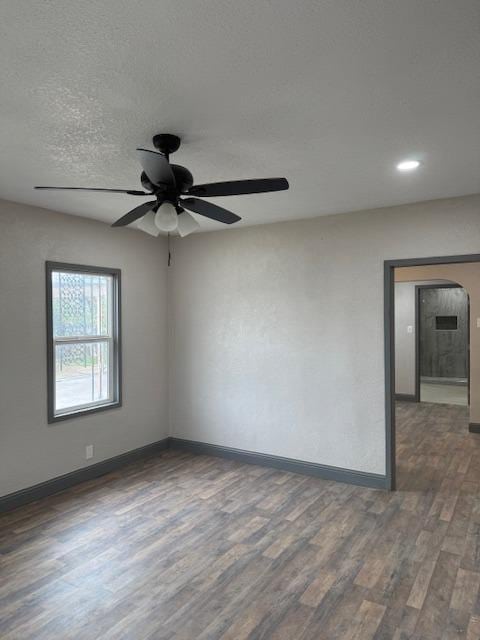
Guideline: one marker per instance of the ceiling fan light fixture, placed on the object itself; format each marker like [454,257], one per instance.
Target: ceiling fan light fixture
[166,217]
[147,224]
[186,224]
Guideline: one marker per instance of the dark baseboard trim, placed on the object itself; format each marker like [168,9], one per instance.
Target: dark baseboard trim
[372,480]
[405,397]
[49,487]
[474,427]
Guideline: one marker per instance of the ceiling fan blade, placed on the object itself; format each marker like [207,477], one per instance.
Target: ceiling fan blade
[157,168]
[131,192]
[136,213]
[210,210]
[239,187]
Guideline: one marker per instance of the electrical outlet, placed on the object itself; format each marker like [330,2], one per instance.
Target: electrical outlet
[89,451]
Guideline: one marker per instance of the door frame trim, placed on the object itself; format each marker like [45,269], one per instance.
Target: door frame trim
[389,346]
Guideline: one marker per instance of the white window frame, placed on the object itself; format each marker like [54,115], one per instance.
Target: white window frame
[113,340]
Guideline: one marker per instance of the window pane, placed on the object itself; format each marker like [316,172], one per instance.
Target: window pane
[81,304]
[81,374]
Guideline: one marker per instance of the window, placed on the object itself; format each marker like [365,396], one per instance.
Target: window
[83,339]
[446,323]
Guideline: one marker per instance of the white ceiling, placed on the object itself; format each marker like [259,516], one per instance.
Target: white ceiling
[329,93]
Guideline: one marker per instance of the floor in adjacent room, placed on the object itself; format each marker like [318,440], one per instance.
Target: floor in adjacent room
[444,393]
[195,547]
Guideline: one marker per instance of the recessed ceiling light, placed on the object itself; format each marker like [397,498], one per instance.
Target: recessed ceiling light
[408,165]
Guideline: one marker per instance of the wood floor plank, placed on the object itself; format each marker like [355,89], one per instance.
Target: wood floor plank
[317,590]
[422,582]
[465,590]
[366,621]
[473,629]
[434,613]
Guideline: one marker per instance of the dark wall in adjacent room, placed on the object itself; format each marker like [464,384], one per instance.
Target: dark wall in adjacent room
[444,333]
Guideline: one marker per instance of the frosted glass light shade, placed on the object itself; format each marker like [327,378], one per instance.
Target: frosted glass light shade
[147,224]
[166,217]
[186,224]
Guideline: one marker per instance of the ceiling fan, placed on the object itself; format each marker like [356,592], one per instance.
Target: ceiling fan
[172,187]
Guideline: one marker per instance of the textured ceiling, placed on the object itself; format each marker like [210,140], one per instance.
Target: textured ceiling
[329,93]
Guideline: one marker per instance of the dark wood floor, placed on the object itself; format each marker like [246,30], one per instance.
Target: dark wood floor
[185,547]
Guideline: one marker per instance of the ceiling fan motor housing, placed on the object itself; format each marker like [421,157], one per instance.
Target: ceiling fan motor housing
[183,182]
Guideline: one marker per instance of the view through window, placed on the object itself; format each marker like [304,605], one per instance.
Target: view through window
[84,345]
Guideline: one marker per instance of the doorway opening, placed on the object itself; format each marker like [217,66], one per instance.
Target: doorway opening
[432,396]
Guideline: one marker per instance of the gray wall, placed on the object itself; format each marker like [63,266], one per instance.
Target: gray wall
[276,332]
[32,451]
[405,332]
[443,354]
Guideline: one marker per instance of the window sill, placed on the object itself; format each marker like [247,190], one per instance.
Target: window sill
[83,412]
